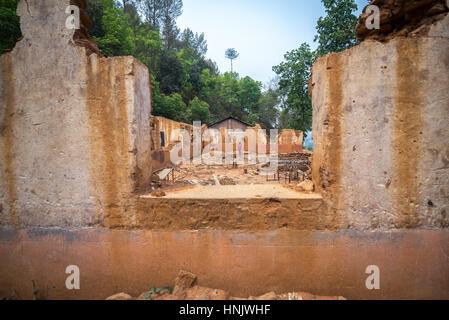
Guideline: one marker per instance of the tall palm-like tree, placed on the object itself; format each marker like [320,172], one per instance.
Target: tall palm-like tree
[231,54]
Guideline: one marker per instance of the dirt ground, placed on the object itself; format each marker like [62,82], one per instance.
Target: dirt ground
[293,168]
[278,191]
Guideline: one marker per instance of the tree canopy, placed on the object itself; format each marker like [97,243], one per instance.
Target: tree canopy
[294,75]
[335,33]
[231,54]
[336,29]
[187,85]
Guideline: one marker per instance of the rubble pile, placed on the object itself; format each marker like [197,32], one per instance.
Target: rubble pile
[295,161]
[187,288]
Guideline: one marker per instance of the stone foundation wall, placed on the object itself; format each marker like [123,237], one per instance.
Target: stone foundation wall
[380,131]
[245,214]
[75,133]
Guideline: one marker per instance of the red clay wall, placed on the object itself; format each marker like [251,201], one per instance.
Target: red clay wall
[413,264]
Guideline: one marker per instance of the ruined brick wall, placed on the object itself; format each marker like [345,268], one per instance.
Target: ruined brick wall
[290,141]
[170,128]
[380,130]
[160,155]
[74,138]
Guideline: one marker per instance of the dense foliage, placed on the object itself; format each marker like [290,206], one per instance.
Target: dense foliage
[336,29]
[335,34]
[294,75]
[9,24]
[187,85]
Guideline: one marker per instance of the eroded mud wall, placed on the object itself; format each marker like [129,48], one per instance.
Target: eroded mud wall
[171,129]
[290,141]
[413,263]
[173,133]
[380,131]
[75,134]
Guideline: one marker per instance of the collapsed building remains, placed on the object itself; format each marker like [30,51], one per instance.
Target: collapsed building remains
[223,137]
[76,157]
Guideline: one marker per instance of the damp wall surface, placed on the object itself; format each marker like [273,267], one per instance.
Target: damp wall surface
[75,133]
[380,113]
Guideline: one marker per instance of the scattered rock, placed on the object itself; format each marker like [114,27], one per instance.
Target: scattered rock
[267,296]
[226,181]
[185,280]
[266,165]
[219,295]
[306,186]
[186,288]
[120,296]
[158,194]
[203,297]
[294,296]
[201,293]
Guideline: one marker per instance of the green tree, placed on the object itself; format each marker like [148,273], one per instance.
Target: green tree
[294,75]
[131,10]
[268,111]
[118,39]
[208,85]
[9,24]
[111,28]
[171,75]
[148,46]
[152,11]
[249,94]
[181,74]
[252,119]
[336,30]
[228,87]
[231,54]
[95,11]
[195,43]
[198,111]
[170,11]
[193,48]
[171,107]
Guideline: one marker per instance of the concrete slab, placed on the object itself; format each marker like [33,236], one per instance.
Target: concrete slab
[239,192]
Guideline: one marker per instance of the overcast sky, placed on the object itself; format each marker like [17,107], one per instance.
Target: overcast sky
[262,31]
